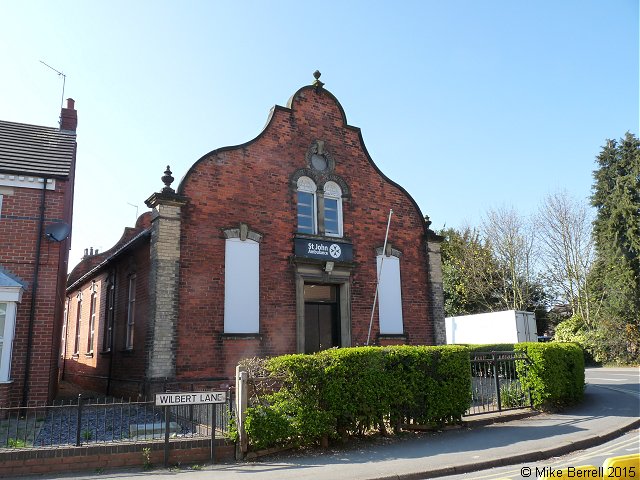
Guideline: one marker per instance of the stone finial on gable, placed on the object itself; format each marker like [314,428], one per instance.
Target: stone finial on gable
[167,179]
[166,196]
[317,83]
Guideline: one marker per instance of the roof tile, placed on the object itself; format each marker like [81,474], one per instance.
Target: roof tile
[35,150]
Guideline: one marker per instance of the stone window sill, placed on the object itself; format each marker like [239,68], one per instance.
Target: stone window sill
[241,336]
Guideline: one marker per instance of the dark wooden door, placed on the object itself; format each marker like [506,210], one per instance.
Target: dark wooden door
[321,326]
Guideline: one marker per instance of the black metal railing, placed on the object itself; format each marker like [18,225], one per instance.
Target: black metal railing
[495,382]
[84,422]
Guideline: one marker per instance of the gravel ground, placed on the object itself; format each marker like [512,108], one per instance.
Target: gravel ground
[100,423]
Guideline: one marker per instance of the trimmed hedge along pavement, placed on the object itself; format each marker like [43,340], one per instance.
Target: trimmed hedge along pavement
[340,392]
[556,374]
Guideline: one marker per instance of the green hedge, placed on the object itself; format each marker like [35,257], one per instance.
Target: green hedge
[345,391]
[555,375]
[339,392]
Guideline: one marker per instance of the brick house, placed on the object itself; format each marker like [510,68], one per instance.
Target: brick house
[37,166]
[265,248]
[107,292]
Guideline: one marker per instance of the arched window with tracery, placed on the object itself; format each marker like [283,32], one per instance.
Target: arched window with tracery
[332,209]
[307,220]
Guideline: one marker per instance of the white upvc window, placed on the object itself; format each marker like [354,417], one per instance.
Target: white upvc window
[241,286]
[131,312]
[10,295]
[389,295]
[332,209]
[307,220]
[7,329]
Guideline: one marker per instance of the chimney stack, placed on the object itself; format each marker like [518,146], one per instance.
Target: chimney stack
[69,116]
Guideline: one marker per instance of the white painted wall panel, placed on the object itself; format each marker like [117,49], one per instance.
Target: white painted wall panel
[241,286]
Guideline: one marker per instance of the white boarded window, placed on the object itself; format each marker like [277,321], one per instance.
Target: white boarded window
[389,296]
[241,286]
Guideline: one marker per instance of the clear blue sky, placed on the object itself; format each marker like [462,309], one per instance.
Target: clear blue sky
[469,105]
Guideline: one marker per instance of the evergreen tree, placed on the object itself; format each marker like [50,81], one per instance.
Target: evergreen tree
[616,273]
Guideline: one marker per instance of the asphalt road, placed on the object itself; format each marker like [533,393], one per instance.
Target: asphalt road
[620,379]
[625,380]
[625,445]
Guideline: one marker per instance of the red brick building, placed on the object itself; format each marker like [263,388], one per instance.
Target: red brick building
[37,166]
[107,308]
[270,247]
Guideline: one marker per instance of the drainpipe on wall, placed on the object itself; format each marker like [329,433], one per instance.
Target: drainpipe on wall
[112,302]
[34,291]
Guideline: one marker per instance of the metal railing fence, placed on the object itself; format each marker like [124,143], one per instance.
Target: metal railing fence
[85,422]
[495,383]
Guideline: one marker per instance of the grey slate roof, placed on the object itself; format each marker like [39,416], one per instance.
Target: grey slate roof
[72,283]
[35,150]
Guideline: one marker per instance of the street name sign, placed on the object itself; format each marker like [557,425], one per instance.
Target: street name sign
[189,398]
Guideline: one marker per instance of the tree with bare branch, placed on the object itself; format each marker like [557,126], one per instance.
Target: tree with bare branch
[567,251]
[510,237]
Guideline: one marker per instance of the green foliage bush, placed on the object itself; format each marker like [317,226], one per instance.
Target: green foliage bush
[598,343]
[555,376]
[267,426]
[339,392]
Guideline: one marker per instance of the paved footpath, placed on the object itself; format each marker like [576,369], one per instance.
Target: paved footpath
[611,406]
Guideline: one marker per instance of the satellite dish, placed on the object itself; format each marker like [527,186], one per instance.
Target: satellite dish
[57,232]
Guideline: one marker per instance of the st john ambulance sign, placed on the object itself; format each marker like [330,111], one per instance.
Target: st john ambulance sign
[189,398]
[324,250]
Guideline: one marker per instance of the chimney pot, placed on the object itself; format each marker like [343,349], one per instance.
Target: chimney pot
[91,251]
[86,252]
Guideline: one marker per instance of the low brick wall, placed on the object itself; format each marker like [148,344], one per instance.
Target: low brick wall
[72,459]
